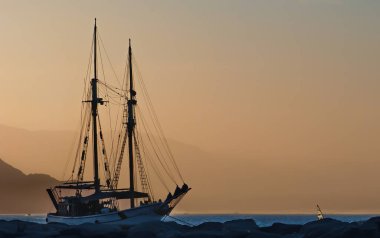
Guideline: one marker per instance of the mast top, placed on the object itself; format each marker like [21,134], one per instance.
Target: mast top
[95,21]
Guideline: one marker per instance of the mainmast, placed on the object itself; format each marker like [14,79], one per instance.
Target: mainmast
[94,109]
[130,126]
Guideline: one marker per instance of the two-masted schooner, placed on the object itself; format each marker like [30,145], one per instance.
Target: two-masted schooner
[78,201]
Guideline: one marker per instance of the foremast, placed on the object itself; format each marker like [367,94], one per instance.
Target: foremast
[131,125]
[94,112]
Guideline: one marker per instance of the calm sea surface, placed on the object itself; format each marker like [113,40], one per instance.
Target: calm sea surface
[265,220]
[261,220]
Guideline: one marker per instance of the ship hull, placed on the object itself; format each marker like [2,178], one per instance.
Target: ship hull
[142,214]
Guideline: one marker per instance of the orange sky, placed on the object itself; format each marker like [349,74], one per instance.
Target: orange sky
[288,82]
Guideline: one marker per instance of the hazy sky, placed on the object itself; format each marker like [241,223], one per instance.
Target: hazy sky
[219,72]
[270,79]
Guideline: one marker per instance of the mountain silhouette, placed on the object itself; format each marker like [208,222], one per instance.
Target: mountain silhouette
[21,193]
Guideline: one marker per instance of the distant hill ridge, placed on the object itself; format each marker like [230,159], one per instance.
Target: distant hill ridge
[21,193]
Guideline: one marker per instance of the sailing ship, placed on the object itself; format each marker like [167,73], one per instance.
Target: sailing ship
[320,215]
[98,200]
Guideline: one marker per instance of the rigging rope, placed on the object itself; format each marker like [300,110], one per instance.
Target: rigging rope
[166,169]
[156,121]
[83,117]
[147,156]
[84,152]
[155,170]
[106,93]
[144,179]
[83,129]
[111,100]
[109,61]
[105,158]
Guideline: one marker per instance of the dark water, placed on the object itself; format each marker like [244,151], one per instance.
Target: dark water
[38,218]
[196,219]
[264,220]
